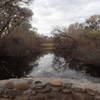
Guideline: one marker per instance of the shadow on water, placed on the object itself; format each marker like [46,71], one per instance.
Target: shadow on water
[15,67]
[46,64]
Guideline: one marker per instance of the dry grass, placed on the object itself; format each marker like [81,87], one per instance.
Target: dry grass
[48,46]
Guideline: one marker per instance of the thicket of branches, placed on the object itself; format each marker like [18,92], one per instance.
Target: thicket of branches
[80,41]
[17,37]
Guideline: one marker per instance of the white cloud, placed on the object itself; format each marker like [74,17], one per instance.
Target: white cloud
[49,13]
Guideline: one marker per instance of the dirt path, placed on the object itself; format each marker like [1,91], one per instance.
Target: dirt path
[48,89]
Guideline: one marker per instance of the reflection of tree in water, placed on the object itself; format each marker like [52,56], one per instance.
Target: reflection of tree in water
[86,69]
[59,64]
[74,65]
[12,67]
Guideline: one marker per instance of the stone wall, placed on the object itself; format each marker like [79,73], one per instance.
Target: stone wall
[48,89]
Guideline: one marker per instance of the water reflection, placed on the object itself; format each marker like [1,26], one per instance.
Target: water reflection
[59,64]
[15,67]
[44,68]
[51,65]
[47,64]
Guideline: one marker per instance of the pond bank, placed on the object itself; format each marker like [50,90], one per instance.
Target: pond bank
[48,89]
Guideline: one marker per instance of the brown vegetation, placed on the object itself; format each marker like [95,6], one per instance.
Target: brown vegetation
[80,41]
[17,37]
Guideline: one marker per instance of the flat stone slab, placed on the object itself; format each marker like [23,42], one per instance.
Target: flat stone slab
[48,89]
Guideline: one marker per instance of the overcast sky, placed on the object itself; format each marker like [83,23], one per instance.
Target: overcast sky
[51,13]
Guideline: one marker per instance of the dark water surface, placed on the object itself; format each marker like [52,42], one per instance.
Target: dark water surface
[46,64]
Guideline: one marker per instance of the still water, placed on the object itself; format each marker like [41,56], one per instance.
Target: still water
[47,64]
[50,65]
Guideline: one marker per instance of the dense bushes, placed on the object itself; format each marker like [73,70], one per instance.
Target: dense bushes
[20,43]
[17,37]
[81,41]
